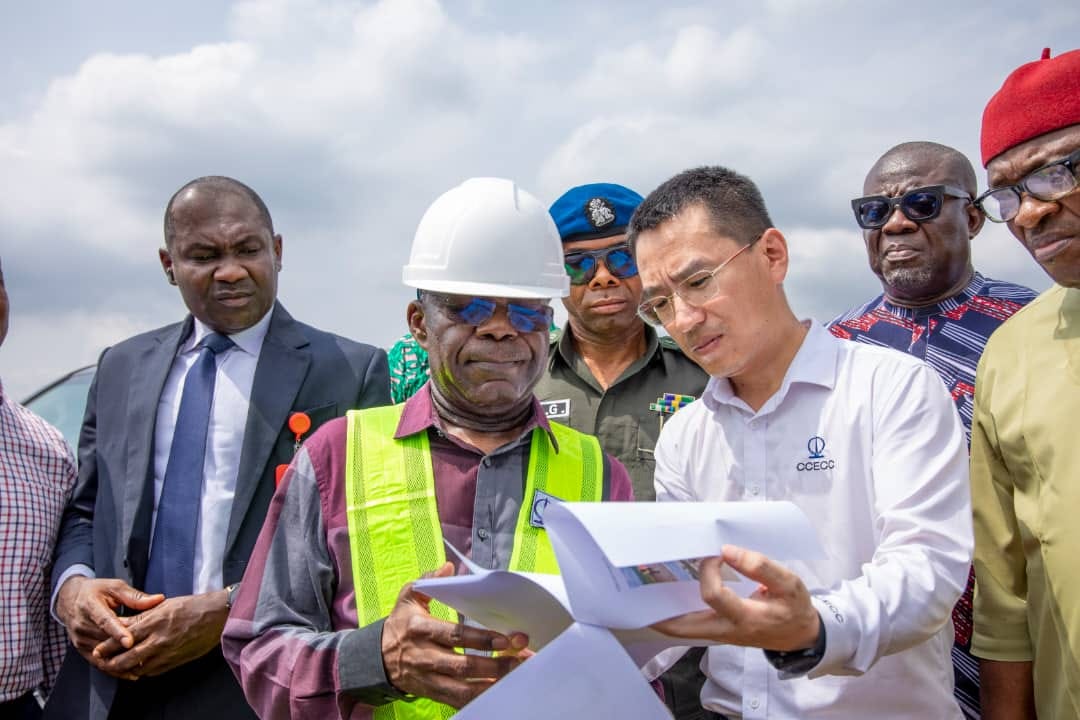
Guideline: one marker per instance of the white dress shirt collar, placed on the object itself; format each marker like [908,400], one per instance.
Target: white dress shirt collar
[815,364]
[249,340]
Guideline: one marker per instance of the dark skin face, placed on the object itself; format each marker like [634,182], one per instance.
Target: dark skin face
[606,306]
[3,307]
[482,375]
[1050,231]
[921,263]
[223,258]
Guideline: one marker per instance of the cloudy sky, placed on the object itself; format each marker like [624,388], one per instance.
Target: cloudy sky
[351,117]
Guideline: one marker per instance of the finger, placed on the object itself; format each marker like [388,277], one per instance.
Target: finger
[85,635]
[444,570]
[104,618]
[722,599]
[760,568]
[129,662]
[519,643]
[460,635]
[136,599]
[107,648]
[105,667]
[453,691]
[440,661]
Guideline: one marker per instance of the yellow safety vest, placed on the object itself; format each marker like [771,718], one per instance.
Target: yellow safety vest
[394,530]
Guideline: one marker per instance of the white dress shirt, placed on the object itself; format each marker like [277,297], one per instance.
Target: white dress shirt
[867,442]
[224,440]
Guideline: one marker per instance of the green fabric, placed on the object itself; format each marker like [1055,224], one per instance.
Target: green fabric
[620,416]
[574,473]
[408,368]
[393,527]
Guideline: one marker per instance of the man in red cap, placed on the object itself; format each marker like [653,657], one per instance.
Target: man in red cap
[1024,448]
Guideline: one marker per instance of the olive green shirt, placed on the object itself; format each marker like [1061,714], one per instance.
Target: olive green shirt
[621,416]
[1025,492]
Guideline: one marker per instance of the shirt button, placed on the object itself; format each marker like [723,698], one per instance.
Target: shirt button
[482,533]
[755,703]
[486,462]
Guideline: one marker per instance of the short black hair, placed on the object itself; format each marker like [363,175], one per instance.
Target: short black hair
[733,202]
[216,184]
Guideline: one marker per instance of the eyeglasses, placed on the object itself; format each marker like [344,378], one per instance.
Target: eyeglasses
[582,265]
[477,311]
[918,205]
[695,290]
[1048,183]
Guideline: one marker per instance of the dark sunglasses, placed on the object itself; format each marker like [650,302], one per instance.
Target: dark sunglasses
[918,205]
[477,310]
[581,265]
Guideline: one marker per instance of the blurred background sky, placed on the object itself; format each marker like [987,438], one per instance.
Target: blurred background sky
[349,118]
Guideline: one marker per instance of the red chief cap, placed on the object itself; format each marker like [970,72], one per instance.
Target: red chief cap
[1037,98]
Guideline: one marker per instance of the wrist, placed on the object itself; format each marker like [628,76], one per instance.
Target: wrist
[794,663]
[66,595]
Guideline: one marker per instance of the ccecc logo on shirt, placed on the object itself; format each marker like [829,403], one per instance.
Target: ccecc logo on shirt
[816,459]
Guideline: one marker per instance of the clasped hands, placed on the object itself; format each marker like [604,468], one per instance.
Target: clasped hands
[165,634]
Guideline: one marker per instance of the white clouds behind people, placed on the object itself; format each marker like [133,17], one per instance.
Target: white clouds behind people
[350,118]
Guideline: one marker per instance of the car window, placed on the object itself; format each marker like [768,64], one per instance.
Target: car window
[64,403]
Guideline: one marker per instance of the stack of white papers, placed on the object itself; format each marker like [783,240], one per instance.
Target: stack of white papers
[625,566]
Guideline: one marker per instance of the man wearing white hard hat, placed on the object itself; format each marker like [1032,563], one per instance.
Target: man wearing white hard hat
[326,623]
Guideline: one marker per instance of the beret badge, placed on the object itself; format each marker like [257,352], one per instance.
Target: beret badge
[600,212]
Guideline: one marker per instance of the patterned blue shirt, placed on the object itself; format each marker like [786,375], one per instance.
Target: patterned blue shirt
[949,336]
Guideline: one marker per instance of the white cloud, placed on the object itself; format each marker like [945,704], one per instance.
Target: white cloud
[350,117]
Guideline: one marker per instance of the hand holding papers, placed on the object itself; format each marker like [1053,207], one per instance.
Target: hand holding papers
[625,567]
[419,657]
[778,615]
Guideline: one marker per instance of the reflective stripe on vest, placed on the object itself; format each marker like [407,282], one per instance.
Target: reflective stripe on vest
[394,530]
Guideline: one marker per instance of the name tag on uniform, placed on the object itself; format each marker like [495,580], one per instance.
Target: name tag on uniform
[540,501]
[556,409]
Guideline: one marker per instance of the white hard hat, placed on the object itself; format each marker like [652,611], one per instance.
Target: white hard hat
[488,237]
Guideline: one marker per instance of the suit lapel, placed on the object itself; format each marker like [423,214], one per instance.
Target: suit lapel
[282,367]
[148,377]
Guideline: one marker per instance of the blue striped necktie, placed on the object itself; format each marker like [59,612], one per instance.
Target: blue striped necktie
[172,555]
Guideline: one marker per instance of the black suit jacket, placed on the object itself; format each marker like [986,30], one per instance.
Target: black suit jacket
[107,523]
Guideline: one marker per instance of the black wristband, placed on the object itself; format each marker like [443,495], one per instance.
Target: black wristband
[794,663]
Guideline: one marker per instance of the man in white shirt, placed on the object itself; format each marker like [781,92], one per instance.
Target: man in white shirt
[864,439]
[185,428]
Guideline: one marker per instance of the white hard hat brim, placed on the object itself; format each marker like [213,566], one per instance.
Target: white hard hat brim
[493,290]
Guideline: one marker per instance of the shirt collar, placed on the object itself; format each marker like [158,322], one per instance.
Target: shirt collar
[565,347]
[813,364]
[972,289]
[419,415]
[249,340]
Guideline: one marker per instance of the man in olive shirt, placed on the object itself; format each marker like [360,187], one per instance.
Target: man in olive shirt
[609,374]
[1025,483]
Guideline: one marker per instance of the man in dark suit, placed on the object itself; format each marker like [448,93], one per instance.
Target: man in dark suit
[185,427]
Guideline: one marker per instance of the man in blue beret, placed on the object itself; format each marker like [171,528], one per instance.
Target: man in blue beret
[608,373]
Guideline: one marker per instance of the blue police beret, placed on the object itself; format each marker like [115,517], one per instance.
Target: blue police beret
[597,210]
